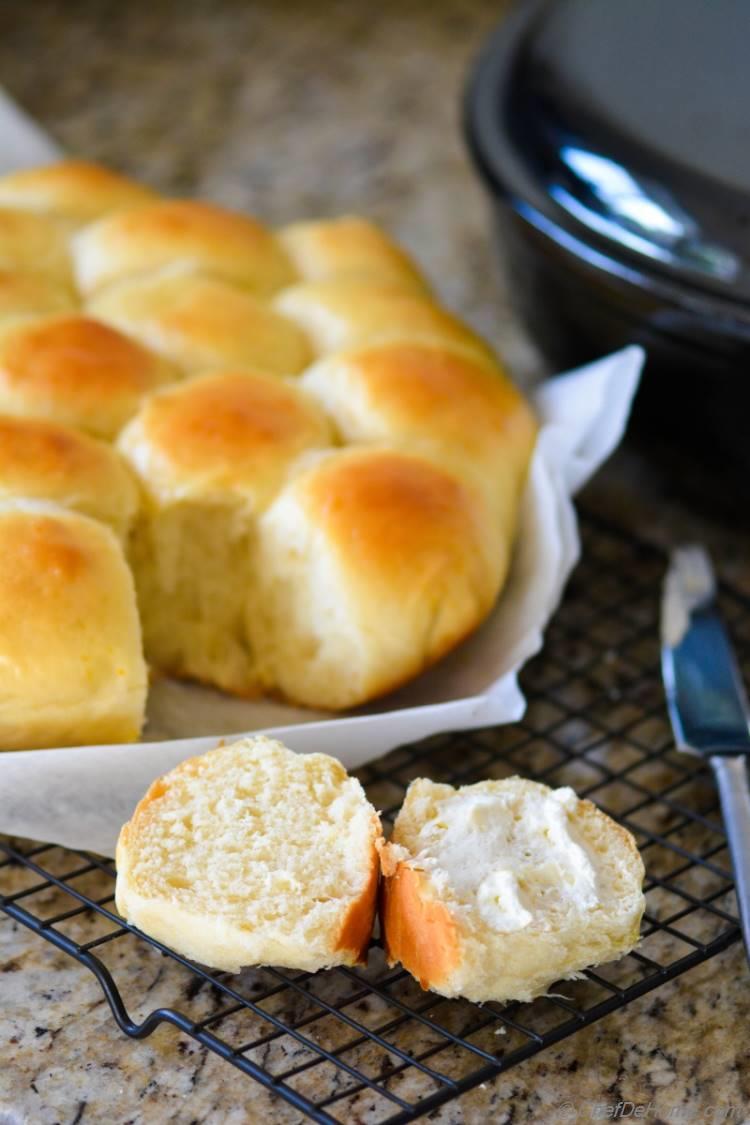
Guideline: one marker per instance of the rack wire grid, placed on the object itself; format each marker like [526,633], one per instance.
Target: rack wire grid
[353,1044]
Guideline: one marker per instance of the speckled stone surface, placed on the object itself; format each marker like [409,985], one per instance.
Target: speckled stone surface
[293,109]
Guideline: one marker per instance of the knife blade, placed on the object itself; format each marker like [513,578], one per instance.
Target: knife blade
[706,700]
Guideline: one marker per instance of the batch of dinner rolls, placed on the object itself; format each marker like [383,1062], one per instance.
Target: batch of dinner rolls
[268,461]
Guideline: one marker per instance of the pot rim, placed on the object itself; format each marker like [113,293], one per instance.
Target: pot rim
[500,167]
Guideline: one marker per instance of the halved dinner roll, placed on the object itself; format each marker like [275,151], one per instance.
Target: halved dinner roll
[210,454]
[75,191]
[253,855]
[349,248]
[440,401]
[70,640]
[41,460]
[343,313]
[199,236]
[75,370]
[34,244]
[32,294]
[494,891]
[372,564]
[199,323]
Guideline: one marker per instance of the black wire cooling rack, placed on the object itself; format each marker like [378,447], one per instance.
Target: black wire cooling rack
[347,1043]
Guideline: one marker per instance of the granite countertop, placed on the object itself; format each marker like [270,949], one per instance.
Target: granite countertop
[309,109]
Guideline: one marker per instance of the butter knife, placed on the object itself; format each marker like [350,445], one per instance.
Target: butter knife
[706,700]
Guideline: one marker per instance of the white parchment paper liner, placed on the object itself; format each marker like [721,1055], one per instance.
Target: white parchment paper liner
[80,797]
[23,143]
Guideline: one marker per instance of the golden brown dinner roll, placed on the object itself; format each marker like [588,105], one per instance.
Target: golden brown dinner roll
[250,855]
[42,460]
[76,191]
[342,314]
[349,248]
[199,323]
[210,454]
[371,565]
[494,891]
[70,644]
[75,370]
[34,244]
[441,402]
[199,236]
[32,294]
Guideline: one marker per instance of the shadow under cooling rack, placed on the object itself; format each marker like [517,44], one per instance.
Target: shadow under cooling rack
[345,1043]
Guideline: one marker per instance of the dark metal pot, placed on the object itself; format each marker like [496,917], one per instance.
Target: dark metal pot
[614,139]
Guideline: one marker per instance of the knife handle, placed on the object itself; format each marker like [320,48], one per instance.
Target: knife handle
[734,792]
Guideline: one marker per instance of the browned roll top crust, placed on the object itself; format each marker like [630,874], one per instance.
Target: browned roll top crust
[41,460]
[227,419]
[448,404]
[76,353]
[32,447]
[349,248]
[77,190]
[201,323]
[26,294]
[385,512]
[34,453]
[469,401]
[342,313]
[48,557]
[234,430]
[201,236]
[77,370]
[33,244]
